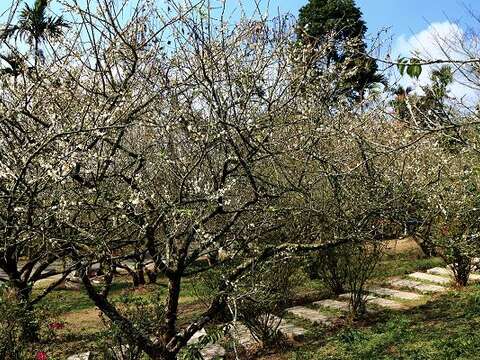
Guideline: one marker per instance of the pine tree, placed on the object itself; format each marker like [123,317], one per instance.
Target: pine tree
[338,24]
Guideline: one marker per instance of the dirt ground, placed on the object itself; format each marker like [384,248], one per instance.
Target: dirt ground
[407,245]
[84,321]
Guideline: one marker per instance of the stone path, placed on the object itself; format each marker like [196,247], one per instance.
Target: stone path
[378,301]
[431,278]
[440,271]
[83,356]
[209,352]
[213,351]
[53,267]
[314,316]
[448,272]
[333,304]
[476,264]
[244,338]
[398,294]
[291,331]
[416,286]
[242,335]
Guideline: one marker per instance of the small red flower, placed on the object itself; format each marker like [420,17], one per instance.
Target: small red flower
[41,355]
[56,326]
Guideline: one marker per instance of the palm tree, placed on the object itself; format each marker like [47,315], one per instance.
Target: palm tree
[34,26]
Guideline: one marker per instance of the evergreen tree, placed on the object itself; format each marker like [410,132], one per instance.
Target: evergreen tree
[338,25]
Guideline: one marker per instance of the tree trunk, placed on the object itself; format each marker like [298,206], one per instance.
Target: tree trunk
[152,276]
[135,280]
[427,246]
[30,326]
[462,266]
[425,242]
[140,275]
[174,284]
[212,259]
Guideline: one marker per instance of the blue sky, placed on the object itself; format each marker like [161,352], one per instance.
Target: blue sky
[412,24]
[411,16]
[404,17]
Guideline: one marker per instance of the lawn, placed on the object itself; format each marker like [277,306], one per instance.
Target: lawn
[83,325]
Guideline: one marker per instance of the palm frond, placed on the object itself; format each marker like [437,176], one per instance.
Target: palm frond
[34,26]
[26,15]
[54,26]
[39,8]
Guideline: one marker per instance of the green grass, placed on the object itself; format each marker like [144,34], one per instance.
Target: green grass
[444,329]
[63,301]
[401,265]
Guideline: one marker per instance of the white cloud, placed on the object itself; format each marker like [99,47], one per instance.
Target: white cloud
[438,41]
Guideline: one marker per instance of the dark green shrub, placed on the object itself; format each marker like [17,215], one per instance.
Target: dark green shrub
[13,322]
[269,289]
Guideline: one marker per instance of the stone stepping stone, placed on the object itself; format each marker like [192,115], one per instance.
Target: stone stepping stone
[291,331]
[474,277]
[339,305]
[418,286]
[440,271]
[476,262]
[287,329]
[69,285]
[311,315]
[150,265]
[448,272]
[333,304]
[242,335]
[209,352]
[84,356]
[196,337]
[213,351]
[385,303]
[431,278]
[47,281]
[402,295]
[121,271]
